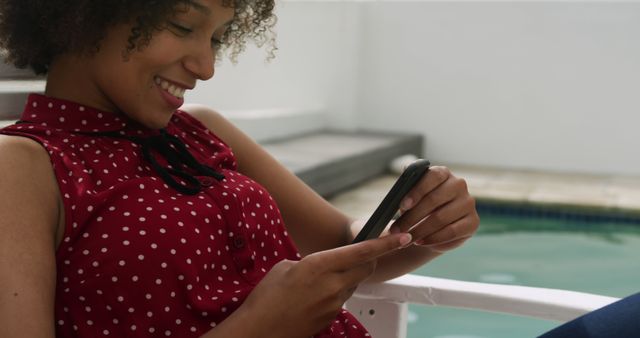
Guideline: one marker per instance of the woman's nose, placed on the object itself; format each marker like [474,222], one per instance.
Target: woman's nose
[200,62]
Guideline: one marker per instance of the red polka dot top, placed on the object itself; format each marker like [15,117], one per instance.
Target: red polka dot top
[139,258]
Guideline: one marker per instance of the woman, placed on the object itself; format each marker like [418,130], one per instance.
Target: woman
[123,215]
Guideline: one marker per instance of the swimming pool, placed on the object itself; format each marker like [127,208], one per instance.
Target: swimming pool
[589,254]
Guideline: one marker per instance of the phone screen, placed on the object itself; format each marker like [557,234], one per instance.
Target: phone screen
[391,202]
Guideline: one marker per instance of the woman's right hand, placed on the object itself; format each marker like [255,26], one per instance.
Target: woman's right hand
[300,298]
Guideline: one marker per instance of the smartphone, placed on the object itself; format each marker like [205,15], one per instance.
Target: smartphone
[391,202]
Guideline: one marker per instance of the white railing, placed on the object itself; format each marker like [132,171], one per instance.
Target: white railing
[383,308]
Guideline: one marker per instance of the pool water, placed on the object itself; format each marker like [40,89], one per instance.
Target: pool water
[601,258]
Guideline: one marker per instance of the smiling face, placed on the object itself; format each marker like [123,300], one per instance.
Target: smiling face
[146,84]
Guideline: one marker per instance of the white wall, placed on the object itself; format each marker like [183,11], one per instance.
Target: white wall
[548,85]
[314,68]
[543,85]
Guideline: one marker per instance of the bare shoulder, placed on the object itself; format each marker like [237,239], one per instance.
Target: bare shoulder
[201,111]
[243,146]
[21,146]
[211,119]
[27,179]
[28,222]
[22,158]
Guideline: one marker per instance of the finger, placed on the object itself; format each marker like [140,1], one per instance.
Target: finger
[453,233]
[444,247]
[444,216]
[432,179]
[441,195]
[349,256]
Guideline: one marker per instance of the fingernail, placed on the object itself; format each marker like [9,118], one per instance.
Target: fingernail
[405,239]
[407,203]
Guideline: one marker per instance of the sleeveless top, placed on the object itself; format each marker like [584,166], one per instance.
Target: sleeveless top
[138,258]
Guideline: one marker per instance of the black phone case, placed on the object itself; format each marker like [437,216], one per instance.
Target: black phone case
[389,205]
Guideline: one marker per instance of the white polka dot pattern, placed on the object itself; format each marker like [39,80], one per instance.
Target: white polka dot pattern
[139,259]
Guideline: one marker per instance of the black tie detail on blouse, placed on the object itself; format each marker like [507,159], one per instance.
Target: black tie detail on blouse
[178,157]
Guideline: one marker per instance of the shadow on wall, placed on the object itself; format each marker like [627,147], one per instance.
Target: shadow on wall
[9,72]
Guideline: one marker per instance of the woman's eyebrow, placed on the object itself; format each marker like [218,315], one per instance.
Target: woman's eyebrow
[200,7]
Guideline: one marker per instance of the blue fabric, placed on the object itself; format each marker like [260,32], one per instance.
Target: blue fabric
[618,320]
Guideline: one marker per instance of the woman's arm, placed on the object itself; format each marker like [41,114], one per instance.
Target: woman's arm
[28,222]
[312,222]
[316,225]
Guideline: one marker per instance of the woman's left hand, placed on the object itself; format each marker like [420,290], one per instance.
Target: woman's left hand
[438,212]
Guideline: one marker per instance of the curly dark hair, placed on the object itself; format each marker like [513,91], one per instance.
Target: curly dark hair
[34,32]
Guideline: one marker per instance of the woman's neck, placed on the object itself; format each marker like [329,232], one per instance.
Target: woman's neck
[69,78]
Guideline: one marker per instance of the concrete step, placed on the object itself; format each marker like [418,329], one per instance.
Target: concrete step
[332,161]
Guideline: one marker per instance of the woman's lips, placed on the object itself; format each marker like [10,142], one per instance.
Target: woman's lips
[172,94]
